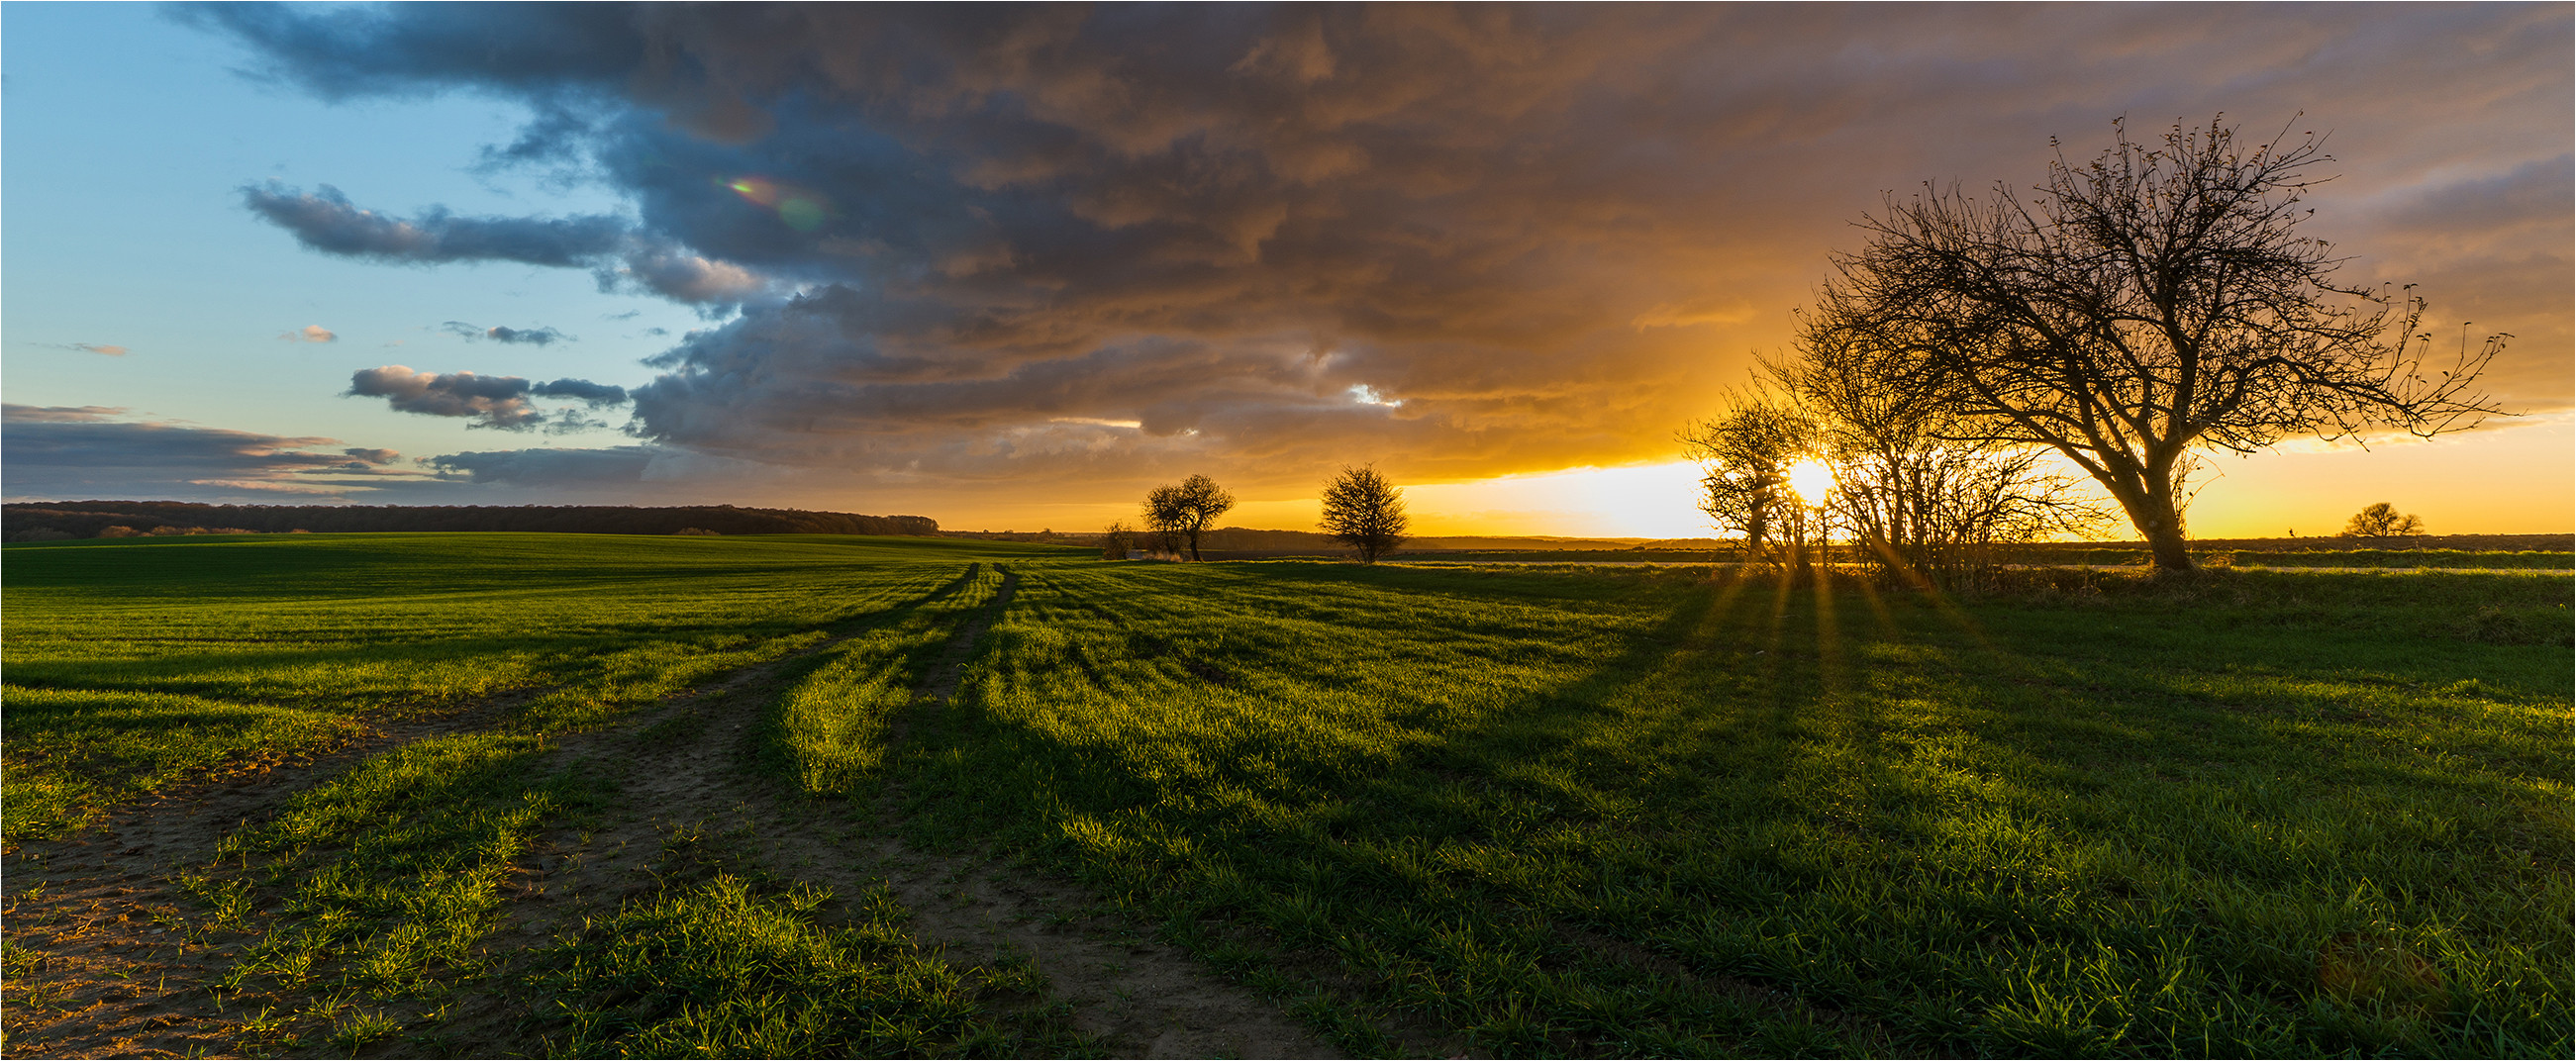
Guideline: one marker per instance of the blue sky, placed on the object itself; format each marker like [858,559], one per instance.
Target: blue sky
[128,137]
[1011,267]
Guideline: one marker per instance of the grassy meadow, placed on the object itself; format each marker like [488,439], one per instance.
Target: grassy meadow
[132,663]
[1662,810]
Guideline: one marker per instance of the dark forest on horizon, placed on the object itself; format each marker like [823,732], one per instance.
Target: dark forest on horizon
[50,520]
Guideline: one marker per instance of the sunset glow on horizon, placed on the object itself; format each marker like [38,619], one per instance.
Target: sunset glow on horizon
[1011,268]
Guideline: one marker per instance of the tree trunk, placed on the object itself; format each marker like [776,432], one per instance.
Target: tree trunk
[2151,508]
[2170,552]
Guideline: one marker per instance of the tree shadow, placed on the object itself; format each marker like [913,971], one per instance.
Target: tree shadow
[1879,803]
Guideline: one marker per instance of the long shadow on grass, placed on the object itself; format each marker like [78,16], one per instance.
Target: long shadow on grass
[1419,864]
[1925,828]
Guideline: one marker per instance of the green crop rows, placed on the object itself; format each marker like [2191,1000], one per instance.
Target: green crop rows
[1655,811]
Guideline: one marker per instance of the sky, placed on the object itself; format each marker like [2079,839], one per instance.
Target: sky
[1009,267]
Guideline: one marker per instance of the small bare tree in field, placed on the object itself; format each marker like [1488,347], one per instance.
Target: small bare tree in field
[2382,521]
[1364,511]
[1182,513]
[2155,301]
[1748,453]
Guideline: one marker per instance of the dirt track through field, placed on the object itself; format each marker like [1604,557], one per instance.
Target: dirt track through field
[105,964]
[110,966]
[1140,998]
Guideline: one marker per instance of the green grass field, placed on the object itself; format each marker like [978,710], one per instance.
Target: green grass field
[2395,559]
[1523,811]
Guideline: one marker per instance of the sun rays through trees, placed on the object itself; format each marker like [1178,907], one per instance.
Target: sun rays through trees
[2151,303]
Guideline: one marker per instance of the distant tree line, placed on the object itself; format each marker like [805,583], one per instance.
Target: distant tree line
[35,521]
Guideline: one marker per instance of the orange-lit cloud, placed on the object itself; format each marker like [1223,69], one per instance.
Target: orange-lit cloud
[972,248]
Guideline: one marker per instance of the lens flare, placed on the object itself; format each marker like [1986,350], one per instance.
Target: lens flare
[1812,479]
[801,209]
[756,189]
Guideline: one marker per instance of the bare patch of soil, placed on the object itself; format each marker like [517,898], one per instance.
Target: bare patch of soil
[105,956]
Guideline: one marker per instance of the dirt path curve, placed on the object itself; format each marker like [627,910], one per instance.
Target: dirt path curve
[1141,999]
[104,964]
[1145,999]
[103,960]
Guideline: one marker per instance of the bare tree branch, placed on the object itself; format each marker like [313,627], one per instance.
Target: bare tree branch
[2153,302]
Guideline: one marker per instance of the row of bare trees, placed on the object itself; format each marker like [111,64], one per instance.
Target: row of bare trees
[1361,510]
[2141,308]
[1827,448]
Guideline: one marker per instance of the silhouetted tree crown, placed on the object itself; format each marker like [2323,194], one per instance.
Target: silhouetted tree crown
[1182,513]
[1746,453]
[1926,495]
[2381,520]
[1365,511]
[2153,301]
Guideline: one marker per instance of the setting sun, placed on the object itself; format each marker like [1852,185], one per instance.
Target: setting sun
[1227,530]
[1812,479]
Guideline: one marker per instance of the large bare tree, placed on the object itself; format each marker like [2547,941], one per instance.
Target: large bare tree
[2153,302]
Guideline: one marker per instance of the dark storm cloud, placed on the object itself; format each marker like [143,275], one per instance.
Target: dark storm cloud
[1094,242]
[89,451]
[326,221]
[488,401]
[548,467]
[597,395]
[505,334]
